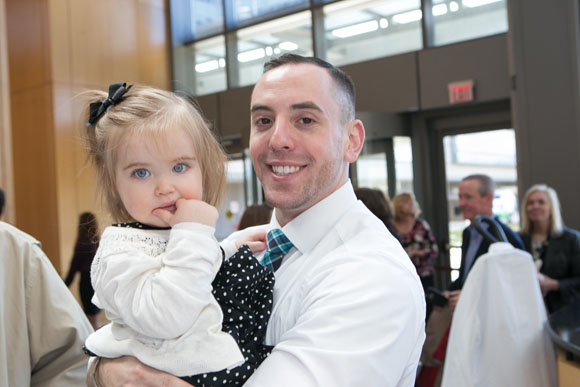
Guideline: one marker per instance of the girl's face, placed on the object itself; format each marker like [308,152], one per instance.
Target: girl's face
[538,207]
[152,175]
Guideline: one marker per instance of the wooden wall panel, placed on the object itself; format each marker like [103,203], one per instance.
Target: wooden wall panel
[28,43]
[35,192]
[56,49]
[60,49]
[6,176]
[153,44]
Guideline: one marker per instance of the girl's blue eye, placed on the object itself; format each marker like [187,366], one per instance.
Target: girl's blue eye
[179,168]
[141,173]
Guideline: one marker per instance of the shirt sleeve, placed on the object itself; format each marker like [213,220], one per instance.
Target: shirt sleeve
[364,332]
[160,296]
[41,324]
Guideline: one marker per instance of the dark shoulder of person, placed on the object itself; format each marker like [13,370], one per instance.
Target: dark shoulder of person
[513,238]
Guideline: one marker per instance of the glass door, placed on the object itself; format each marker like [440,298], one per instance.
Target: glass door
[492,153]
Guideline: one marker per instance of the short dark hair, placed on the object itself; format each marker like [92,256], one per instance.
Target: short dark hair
[377,202]
[486,183]
[342,80]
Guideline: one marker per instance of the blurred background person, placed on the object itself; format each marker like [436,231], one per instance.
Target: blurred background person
[86,246]
[255,215]
[416,236]
[555,247]
[380,205]
[42,327]
[2,202]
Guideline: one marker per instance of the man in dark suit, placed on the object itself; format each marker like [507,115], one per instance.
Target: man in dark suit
[476,198]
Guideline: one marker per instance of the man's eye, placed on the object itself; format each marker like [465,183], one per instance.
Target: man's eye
[179,168]
[306,120]
[263,121]
[141,173]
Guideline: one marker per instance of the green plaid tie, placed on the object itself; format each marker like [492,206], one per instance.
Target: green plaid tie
[278,247]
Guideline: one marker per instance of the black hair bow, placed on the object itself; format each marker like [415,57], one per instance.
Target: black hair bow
[116,93]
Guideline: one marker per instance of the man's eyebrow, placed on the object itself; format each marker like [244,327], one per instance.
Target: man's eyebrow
[256,108]
[306,105]
[297,106]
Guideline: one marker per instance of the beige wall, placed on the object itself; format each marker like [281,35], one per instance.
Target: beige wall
[56,49]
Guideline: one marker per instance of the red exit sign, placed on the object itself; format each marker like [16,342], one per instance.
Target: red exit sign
[460,92]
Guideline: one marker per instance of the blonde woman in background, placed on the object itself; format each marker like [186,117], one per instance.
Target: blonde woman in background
[416,236]
[555,247]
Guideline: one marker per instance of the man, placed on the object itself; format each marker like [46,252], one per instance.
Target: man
[475,198]
[42,327]
[348,305]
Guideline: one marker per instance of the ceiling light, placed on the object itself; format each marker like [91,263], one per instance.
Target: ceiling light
[288,46]
[453,6]
[222,62]
[269,51]
[384,23]
[206,66]
[477,3]
[251,55]
[356,29]
[408,17]
[439,9]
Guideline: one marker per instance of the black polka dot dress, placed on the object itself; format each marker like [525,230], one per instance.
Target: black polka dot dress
[244,290]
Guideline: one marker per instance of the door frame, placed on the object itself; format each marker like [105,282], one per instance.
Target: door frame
[430,178]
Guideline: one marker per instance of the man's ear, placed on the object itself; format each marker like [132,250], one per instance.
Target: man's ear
[355,140]
[489,198]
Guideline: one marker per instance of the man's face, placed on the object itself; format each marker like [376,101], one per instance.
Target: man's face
[471,202]
[299,146]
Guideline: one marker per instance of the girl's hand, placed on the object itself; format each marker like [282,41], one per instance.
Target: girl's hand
[128,371]
[191,210]
[256,240]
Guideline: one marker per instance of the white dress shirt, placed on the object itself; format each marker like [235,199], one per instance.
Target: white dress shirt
[349,308]
[497,335]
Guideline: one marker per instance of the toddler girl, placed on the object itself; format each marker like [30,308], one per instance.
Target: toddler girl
[158,272]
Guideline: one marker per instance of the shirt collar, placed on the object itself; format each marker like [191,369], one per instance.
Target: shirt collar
[308,228]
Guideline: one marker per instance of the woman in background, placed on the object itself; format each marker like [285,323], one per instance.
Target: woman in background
[85,249]
[255,215]
[380,205]
[416,236]
[555,247]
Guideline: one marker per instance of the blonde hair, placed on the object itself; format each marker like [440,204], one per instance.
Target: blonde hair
[556,222]
[400,200]
[149,112]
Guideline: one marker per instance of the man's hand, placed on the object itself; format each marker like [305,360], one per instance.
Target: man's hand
[191,210]
[453,297]
[255,240]
[127,371]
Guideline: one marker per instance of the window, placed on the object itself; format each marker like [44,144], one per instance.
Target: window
[234,202]
[244,12]
[459,20]
[357,30]
[204,70]
[207,17]
[257,44]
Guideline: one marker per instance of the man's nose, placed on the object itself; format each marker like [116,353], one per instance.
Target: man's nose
[282,136]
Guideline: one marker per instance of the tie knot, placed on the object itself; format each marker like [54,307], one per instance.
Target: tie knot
[278,247]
